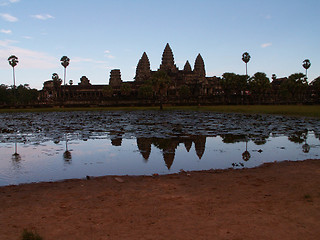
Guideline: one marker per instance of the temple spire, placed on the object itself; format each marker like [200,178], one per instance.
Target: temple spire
[187,67]
[167,63]
[143,71]
[199,66]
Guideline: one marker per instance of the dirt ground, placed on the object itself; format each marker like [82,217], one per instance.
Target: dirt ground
[274,201]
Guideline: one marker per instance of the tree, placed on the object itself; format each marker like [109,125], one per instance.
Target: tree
[160,82]
[125,89]
[294,88]
[13,61]
[65,63]
[184,92]
[306,64]
[56,80]
[315,89]
[233,86]
[259,85]
[246,58]
[145,91]
[107,91]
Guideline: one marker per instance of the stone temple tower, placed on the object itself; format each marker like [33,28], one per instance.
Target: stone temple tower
[143,71]
[199,68]
[187,67]
[115,78]
[167,63]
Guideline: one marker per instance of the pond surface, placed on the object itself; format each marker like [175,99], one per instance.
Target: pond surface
[62,145]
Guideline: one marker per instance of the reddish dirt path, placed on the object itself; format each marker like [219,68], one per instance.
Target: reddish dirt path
[275,201]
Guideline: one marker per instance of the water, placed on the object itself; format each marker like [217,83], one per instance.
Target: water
[54,146]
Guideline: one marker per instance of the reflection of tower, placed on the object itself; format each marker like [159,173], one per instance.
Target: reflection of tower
[187,144]
[116,141]
[67,154]
[144,146]
[200,145]
[168,147]
[246,155]
[116,138]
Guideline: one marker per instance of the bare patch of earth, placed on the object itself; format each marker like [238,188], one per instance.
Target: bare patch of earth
[274,201]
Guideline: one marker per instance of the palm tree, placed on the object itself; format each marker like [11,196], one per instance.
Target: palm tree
[306,64]
[246,58]
[65,63]
[13,61]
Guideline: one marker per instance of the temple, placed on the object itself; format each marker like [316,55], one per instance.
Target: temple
[176,85]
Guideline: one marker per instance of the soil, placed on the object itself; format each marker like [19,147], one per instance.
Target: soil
[274,201]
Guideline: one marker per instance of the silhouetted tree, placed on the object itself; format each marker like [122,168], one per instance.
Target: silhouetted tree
[145,91]
[125,89]
[233,86]
[306,64]
[259,85]
[160,81]
[65,63]
[13,61]
[184,92]
[56,80]
[246,58]
[294,88]
[107,91]
[315,89]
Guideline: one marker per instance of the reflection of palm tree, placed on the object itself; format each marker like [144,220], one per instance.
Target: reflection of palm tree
[67,154]
[16,156]
[246,155]
[305,146]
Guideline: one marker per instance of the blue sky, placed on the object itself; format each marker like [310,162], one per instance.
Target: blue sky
[100,35]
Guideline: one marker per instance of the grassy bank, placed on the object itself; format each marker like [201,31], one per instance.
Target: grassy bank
[292,110]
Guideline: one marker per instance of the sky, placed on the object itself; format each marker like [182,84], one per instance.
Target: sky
[100,35]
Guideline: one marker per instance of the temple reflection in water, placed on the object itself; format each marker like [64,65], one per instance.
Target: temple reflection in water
[168,146]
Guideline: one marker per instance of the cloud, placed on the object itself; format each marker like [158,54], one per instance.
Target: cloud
[6,31]
[7,17]
[27,37]
[42,16]
[28,59]
[107,51]
[6,3]
[87,60]
[265,45]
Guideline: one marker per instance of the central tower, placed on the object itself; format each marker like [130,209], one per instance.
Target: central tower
[167,63]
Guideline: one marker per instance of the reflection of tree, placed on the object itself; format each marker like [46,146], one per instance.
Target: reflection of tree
[305,146]
[232,138]
[16,156]
[246,155]
[67,154]
[298,137]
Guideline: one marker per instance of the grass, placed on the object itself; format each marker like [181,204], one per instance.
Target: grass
[290,110]
[30,235]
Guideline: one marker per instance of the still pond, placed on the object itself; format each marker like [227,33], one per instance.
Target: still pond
[53,146]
